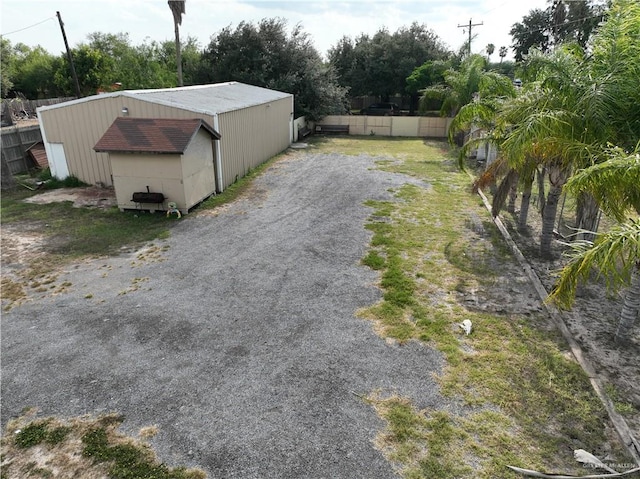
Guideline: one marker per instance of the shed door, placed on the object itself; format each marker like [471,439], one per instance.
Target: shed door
[58,161]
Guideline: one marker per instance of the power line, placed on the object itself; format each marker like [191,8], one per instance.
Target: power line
[30,26]
[577,20]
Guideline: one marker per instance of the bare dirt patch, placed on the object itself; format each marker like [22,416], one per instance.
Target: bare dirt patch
[24,245]
[592,321]
[91,196]
[20,244]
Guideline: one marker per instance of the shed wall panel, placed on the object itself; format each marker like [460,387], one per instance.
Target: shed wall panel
[253,135]
[145,166]
[161,173]
[198,171]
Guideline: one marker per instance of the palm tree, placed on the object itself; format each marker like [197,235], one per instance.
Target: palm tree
[458,88]
[490,48]
[616,253]
[502,52]
[575,107]
[536,126]
[571,109]
[177,8]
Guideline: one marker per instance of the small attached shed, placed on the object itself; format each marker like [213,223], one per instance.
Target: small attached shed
[156,161]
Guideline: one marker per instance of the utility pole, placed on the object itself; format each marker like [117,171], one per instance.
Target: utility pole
[470,26]
[73,68]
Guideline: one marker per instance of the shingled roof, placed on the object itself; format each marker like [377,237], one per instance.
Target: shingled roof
[151,135]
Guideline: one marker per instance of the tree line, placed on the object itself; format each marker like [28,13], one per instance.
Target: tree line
[267,54]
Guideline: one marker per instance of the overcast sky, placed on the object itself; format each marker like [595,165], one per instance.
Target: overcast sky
[325,20]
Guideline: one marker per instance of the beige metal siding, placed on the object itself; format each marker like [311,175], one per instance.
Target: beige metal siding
[184,179]
[198,171]
[253,135]
[134,172]
[79,127]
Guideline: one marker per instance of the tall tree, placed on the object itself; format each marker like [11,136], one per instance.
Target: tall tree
[267,55]
[191,54]
[93,69]
[177,8]
[426,75]
[561,22]
[459,86]
[502,52]
[379,65]
[7,61]
[531,32]
[34,73]
[490,48]
[575,106]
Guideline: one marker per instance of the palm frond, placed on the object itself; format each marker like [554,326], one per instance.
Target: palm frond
[614,183]
[489,176]
[612,256]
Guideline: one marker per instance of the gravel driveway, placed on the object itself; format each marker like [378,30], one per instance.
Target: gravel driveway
[239,340]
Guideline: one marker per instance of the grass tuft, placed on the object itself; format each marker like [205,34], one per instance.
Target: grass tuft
[81,447]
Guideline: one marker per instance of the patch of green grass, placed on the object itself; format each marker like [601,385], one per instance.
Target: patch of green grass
[31,435]
[75,232]
[127,460]
[38,432]
[621,406]
[529,405]
[373,260]
[421,442]
[93,446]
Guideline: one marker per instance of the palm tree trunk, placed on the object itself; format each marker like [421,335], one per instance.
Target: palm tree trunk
[178,54]
[587,216]
[557,179]
[541,194]
[630,308]
[549,221]
[524,204]
[513,195]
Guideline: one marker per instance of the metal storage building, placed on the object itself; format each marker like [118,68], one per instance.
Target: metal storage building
[158,161]
[254,123]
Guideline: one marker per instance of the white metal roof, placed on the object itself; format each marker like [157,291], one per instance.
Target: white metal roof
[208,99]
[211,99]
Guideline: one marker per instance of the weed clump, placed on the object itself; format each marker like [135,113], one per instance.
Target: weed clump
[80,447]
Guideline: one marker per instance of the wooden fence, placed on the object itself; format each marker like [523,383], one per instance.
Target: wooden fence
[20,108]
[14,142]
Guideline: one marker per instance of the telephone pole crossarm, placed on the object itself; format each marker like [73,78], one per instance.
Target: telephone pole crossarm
[470,26]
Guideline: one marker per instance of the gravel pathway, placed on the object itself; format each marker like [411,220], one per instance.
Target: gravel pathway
[238,339]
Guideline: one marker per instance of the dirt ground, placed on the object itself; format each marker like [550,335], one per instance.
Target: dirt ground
[592,321]
[91,196]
